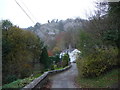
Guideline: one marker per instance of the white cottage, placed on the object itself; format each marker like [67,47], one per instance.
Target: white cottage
[73,54]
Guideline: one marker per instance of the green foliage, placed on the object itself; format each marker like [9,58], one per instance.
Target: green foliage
[44,59]
[11,78]
[55,66]
[111,35]
[114,8]
[21,82]
[56,63]
[52,67]
[56,58]
[6,24]
[97,63]
[104,81]
[99,43]
[114,20]
[21,51]
[65,60]
[86,43]
[53,61]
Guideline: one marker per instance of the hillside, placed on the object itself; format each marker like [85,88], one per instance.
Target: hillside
[47,32]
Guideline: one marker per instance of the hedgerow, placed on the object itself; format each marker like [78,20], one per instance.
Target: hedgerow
[96,64]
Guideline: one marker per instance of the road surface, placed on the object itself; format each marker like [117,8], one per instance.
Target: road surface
[65,79]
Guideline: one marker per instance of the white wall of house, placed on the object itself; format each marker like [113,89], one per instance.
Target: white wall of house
[73,54]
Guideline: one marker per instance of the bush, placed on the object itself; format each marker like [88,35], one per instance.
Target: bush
[65,60]
[52,67]
[57,59]
[54,60]
[11,78]
[96,64]
[55,66]
[20,83]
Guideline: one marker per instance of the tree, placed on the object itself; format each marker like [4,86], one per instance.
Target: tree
[113,14]
[99,42]
[21,52]
[87,43]
[114,8]
[44,59]
[105,25]
[114,33]
[61,25]
[65,60]
[6,24]
[56,50]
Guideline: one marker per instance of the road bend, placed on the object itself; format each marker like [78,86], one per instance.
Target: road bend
[65,79]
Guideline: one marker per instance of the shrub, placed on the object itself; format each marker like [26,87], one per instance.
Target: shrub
[54,60]
[65,60]
[55,66]
[52,67]
[57,59]
[96,64]
[11,78]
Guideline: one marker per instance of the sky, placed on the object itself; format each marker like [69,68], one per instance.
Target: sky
[43,10]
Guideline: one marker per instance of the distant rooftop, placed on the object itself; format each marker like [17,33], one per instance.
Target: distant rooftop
[51,33]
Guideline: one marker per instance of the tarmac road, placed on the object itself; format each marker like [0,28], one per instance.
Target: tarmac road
[65,79]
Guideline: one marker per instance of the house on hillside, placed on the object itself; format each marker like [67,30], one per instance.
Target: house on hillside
[73,54]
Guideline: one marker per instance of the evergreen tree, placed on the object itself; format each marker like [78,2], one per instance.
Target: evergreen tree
[44,57]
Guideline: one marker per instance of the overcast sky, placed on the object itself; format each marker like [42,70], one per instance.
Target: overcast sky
[44,10]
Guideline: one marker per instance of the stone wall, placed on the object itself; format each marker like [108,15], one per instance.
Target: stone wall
[40,81]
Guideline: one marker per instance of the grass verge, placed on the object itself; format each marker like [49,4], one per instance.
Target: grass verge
[21,82]
[103,81]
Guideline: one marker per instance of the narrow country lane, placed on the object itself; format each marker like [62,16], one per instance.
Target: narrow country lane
[65,79]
